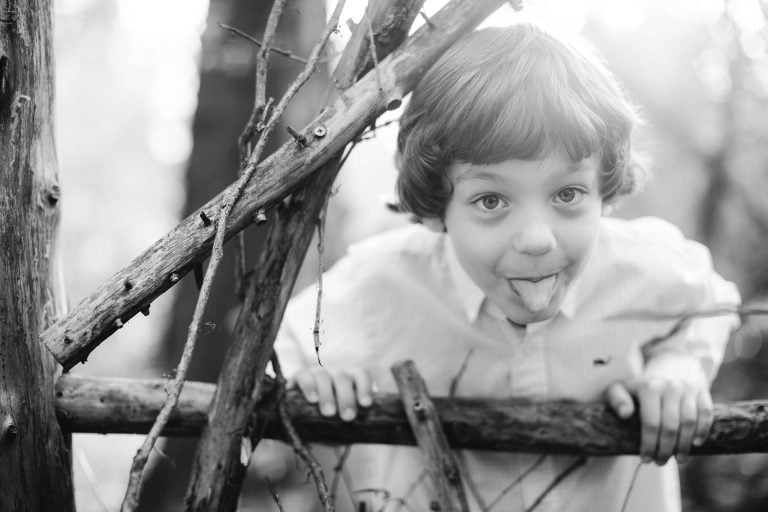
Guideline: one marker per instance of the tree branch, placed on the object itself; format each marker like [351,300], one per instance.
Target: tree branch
[217,472]
[104,406]
[130,502]
[93,320]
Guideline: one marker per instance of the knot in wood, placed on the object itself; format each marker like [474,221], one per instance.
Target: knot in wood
[53,196]
[435,505]
[9,432]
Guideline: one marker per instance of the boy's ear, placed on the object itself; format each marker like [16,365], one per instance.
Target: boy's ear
[434,224]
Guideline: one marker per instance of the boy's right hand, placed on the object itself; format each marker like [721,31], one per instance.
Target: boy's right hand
[335,390]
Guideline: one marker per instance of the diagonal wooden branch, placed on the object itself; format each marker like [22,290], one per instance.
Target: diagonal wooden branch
[130,405]
[425,423]
[159,267]
[217,471]
[130,501]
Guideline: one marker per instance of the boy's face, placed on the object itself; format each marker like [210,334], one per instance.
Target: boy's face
[523,230]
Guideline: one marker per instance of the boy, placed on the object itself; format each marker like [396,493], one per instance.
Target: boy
[513,147]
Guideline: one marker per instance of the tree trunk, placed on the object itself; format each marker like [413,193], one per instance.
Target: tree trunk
[35,464]
[224,102]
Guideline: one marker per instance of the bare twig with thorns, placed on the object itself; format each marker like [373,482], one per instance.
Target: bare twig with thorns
[130,502]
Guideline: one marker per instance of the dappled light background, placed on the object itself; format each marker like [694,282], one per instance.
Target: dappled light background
[127,78]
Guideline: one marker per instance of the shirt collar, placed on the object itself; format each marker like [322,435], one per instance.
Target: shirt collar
[472,297]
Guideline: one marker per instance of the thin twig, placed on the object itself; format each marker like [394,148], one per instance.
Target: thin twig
[338,468]
[402,501]
[456,378]
[279,51]
[130,502]
[562,476]
[91,478]
[259,114]
[631,486]
[374,57]
[514,483]
[315,469]
[320,270]
[370,133]
[275,495]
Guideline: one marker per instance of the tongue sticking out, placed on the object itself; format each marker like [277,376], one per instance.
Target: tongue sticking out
[535,295]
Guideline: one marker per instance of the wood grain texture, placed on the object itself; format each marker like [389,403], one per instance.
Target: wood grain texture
[35,464]
[557,427]
[436,452]
[71,339]
[217,473]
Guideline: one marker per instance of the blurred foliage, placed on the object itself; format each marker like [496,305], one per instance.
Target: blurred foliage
[702,83]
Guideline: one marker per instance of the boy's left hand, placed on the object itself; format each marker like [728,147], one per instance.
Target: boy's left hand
[674,404]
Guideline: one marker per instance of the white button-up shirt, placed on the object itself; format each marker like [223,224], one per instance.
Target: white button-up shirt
[403,295]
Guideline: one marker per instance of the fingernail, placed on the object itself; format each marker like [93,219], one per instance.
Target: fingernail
[624,411]
[327,409]
[366,401]
[698,441]
[311,397]
[348,414]
[646,459]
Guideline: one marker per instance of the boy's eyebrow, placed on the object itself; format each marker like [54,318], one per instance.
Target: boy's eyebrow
[475,174]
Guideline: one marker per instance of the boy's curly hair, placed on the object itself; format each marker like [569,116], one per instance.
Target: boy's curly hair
[512,93]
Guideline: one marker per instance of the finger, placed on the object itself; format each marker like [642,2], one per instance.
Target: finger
[363,387]
[706,416]
[670,422]
[620,400]
[325,394]
[689,412]
[307,385]
[649,398]
[344,387]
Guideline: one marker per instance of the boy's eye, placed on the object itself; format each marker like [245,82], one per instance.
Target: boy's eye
[489,202]
[570,195]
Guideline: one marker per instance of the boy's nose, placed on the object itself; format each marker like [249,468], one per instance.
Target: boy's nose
[534,237]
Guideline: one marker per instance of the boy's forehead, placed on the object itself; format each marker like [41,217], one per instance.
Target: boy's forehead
[467,171]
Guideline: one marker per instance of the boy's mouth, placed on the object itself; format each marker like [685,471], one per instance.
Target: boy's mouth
[534,292]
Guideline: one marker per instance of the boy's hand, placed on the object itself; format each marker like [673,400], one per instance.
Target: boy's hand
[336,390]
[674,403]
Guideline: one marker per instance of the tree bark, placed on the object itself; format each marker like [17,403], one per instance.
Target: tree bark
[158,268]
[218,471]
[35,464]
[558,427]
[435,450]
[224,100]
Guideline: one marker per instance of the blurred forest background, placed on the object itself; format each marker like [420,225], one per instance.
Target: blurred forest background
[152,95]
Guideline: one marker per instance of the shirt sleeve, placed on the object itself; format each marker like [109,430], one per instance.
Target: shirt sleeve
[709,317]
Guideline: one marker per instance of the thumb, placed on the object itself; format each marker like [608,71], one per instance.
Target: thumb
[620,399]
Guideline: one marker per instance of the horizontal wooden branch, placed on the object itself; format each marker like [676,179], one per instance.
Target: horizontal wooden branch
[130,406]
[131,290]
